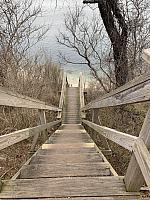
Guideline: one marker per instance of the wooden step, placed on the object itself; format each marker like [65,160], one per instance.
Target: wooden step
[68,139]
[65,187]
[66,170]
[68,146]
[67,151]
[124,197]
[64,158]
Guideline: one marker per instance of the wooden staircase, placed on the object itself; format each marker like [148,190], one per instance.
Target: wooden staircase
[68,166]
[71,111]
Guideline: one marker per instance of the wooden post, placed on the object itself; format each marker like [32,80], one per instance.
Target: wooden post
[95,118]
[134,178]
[44,133]
[1,184]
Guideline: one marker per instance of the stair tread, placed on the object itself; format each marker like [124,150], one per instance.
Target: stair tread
[66,170]
[65,187]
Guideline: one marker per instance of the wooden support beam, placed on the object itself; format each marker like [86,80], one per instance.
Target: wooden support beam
[62,96]
[123,139]
[81,91]
[134,178]
[1,184]
[42,119]
[146,55]
[143,158]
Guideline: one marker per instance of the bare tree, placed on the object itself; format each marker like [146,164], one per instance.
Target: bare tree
[18,32]
[87,38]
[138,19]
[117,29]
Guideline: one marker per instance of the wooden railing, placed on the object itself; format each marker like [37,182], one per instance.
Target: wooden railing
[82,91]
[62,96]
[9,98]
[138,90]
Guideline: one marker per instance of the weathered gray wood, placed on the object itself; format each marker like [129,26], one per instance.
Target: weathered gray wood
[81,91]
[68,145]
[143,158]
[67,150]
[94,198]
[62,96]
[137,90]
[146,55]
[123,139]
[9,98]
[42,118]
[66,170]
[65,187]
[17,136]
[64,158]
[134,178]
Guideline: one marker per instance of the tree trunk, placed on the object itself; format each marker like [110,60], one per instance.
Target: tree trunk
[111,13]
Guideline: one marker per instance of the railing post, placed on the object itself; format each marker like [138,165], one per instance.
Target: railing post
[42,118]
[1,184]
[81,91]
[134,178]
[62,95]
[95,116]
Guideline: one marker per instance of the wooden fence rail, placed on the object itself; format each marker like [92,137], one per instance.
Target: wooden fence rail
[9,98]
[17,136]
[123,139]
[138,90]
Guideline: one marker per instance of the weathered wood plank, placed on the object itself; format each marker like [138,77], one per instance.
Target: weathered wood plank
[81,91]
[69,140]
[66,170]
[68,145]
[123,139]
[134,178]
[137,90]
[63,93]
[42,117]
[143,158]
[92,198]
[65,187]
[64,158]
[146,55]
[67,150]
[17,136]
[9,98]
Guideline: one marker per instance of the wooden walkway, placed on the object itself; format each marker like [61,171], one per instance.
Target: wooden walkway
[68,165]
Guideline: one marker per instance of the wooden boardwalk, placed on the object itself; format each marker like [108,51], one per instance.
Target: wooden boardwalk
[68,165]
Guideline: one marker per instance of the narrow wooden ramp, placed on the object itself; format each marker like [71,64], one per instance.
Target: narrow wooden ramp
[68,166]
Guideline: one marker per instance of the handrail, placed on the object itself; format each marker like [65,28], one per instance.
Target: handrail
[81,88]
[9,98]
[137,90]
[20,135]
[81,91]
[63,93]
[123,139]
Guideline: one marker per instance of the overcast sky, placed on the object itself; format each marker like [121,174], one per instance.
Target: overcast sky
[53,17]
